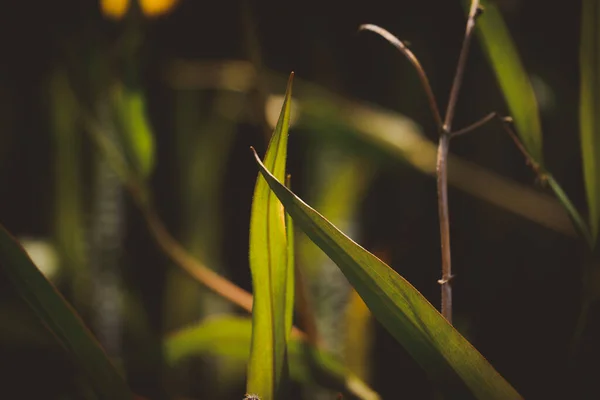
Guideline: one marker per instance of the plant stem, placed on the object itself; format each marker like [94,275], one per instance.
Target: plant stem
[442,165]
[444,141]
[460,68]
[475,125]
[444,215]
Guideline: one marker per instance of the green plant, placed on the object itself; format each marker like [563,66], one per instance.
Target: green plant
[274,349]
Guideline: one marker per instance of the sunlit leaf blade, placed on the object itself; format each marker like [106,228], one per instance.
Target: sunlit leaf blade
[46,303]
[589,107]
[269,267]
[230,336]
[512,78]
[443,352]
[291,284]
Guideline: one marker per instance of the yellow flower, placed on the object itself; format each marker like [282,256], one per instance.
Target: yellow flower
[116,9]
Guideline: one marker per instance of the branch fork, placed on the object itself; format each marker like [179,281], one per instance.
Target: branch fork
[445,134]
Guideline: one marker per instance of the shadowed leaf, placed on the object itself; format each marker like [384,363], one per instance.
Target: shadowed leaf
[57,316]
[512,78]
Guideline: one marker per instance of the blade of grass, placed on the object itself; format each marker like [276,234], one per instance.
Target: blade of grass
[589,59]
[512,78]
[269,267]
[443,352]
[60,320]
[230,336]
[520,97]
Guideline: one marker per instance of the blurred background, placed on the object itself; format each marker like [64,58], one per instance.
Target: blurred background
[192,85]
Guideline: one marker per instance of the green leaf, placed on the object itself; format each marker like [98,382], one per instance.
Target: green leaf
[269,266]
[589,107]
[136,134]
[50,308]
[512,78]
[230,336]
[576,218]
[520,97]
[443,352]
[291,258]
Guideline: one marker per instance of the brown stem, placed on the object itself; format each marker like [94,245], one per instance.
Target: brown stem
[414,61]
[444,215]
[460,68]
[530,161]
[442,166]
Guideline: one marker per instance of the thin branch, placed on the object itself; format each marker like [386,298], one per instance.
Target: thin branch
[474,125]
[444,216]
[474,12]
[442,166]
[528,158]
[414,61]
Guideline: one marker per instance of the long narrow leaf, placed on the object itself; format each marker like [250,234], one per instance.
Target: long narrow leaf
[230,336]
[512,78]
[589,59]
[269,267]
[520,97]
[46,303]
[443,352]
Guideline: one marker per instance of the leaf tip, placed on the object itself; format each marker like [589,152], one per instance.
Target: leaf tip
[289,84]
[253,150]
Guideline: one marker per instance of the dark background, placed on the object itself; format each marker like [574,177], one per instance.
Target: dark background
[517,284]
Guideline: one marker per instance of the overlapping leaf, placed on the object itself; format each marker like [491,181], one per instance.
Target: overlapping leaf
[443,352]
